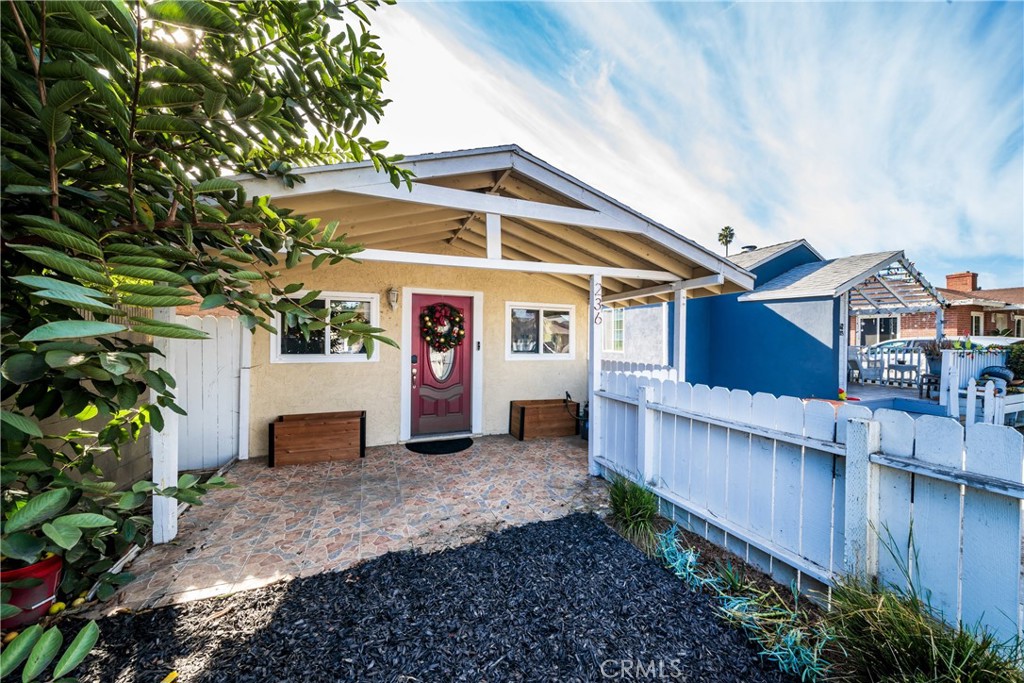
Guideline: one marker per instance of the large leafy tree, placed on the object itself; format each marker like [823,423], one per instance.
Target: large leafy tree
[119,122]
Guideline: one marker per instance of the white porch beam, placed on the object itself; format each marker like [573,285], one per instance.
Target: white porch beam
[164,444]
[596,343]
[678,286]
[940,324]
[493,236]
[680,328]
[487,203]
[515,266]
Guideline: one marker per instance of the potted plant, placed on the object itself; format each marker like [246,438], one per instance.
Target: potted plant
[933,354]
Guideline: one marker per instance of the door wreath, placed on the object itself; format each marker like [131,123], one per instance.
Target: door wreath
[442,326]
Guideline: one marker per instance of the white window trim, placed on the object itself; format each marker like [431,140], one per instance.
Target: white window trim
[275,339]
[980,317]
[611,320]
[540,355]
[1018,319]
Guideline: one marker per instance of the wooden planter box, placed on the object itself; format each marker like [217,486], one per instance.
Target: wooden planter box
[532,419]
[317,437]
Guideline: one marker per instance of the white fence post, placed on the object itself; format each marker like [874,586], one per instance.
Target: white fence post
[164,444]
[863,437]
[645,435]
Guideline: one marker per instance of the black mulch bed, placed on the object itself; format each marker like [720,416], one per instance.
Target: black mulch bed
[551,601]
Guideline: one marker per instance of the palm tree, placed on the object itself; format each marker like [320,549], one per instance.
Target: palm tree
[725,237]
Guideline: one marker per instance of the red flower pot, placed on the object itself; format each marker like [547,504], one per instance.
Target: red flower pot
[36,600]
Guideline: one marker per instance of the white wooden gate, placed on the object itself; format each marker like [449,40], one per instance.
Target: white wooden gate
[208,375]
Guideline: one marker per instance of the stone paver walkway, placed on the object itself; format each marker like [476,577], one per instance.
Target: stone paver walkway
[301,520]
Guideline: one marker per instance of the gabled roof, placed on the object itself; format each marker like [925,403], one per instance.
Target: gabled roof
[1009,297]
[546,217]
[755,257]
[877,283]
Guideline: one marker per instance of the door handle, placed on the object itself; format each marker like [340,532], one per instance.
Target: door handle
[414,373]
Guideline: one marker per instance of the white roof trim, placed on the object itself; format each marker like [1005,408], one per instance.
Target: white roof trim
[605,211]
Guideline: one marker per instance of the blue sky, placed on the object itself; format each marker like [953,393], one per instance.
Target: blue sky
[861,127]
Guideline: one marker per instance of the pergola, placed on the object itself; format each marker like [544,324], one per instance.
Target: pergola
[503,209]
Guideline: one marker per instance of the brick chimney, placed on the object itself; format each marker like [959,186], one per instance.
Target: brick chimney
[962,282]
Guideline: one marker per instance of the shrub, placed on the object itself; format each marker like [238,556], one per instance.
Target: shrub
[1015,360]
[634,509]
[884,634]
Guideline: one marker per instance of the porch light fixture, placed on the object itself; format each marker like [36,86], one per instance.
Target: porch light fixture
[393,297]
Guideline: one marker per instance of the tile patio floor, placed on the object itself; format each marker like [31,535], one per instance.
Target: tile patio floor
[301,520]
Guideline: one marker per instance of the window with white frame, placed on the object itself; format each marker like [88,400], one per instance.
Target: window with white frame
[327,345]
[1018,326]
[977,324]
[1002,322]
[614,329]
[539,331]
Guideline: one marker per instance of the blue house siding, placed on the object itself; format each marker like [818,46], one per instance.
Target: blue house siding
[780,347]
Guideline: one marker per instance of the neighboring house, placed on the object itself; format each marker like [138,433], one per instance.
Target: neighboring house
[639,334]
[523,252]
[971,311]
[789,335]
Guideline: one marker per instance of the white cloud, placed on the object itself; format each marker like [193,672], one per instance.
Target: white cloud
[860,127]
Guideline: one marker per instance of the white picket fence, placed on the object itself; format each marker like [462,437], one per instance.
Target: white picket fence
[960,367]
[208,376]
[766,477]
[649,369]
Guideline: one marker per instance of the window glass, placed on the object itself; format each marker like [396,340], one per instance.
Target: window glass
[614,327]
[362,310]
[293,342]
[525,330]
[556,331]
[976,324]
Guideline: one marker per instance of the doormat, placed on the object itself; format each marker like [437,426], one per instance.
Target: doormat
[440,447]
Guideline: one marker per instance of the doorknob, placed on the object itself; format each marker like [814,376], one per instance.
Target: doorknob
[414,373]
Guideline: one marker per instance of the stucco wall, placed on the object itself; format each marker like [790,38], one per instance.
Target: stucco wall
[645,335]
[283,388]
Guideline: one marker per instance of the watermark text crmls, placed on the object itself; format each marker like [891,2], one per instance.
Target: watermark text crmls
[642,670]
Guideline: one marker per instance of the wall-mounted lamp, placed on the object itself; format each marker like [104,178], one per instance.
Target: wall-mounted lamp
[393,297]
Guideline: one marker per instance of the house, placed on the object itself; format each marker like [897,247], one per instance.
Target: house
[789,335]
[508,251]
[639,334]
[972,311]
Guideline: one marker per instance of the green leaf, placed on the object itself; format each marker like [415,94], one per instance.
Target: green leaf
[168,96]
[216,185]
[78,650]
[165,123]
[192,14]
[143,273]
[22,546]
[157,328]
[22,368]
[155,301]
[72,329]
[16,652]
[75,300]
[84,520]
[187,481]
[64,536]
[127,395]
[213,301]
[65,237]
[65,94]
[55,124]
[42,654]
[68,156]
[21,423]
[8,610]
[130,500]
[82,270]
[41,282]
[38,509]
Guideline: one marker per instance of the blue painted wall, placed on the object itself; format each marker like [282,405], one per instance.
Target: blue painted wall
[783,348]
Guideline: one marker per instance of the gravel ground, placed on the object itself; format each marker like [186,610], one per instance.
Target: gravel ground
[567,600]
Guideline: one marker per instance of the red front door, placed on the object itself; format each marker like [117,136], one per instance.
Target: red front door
[441,379]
